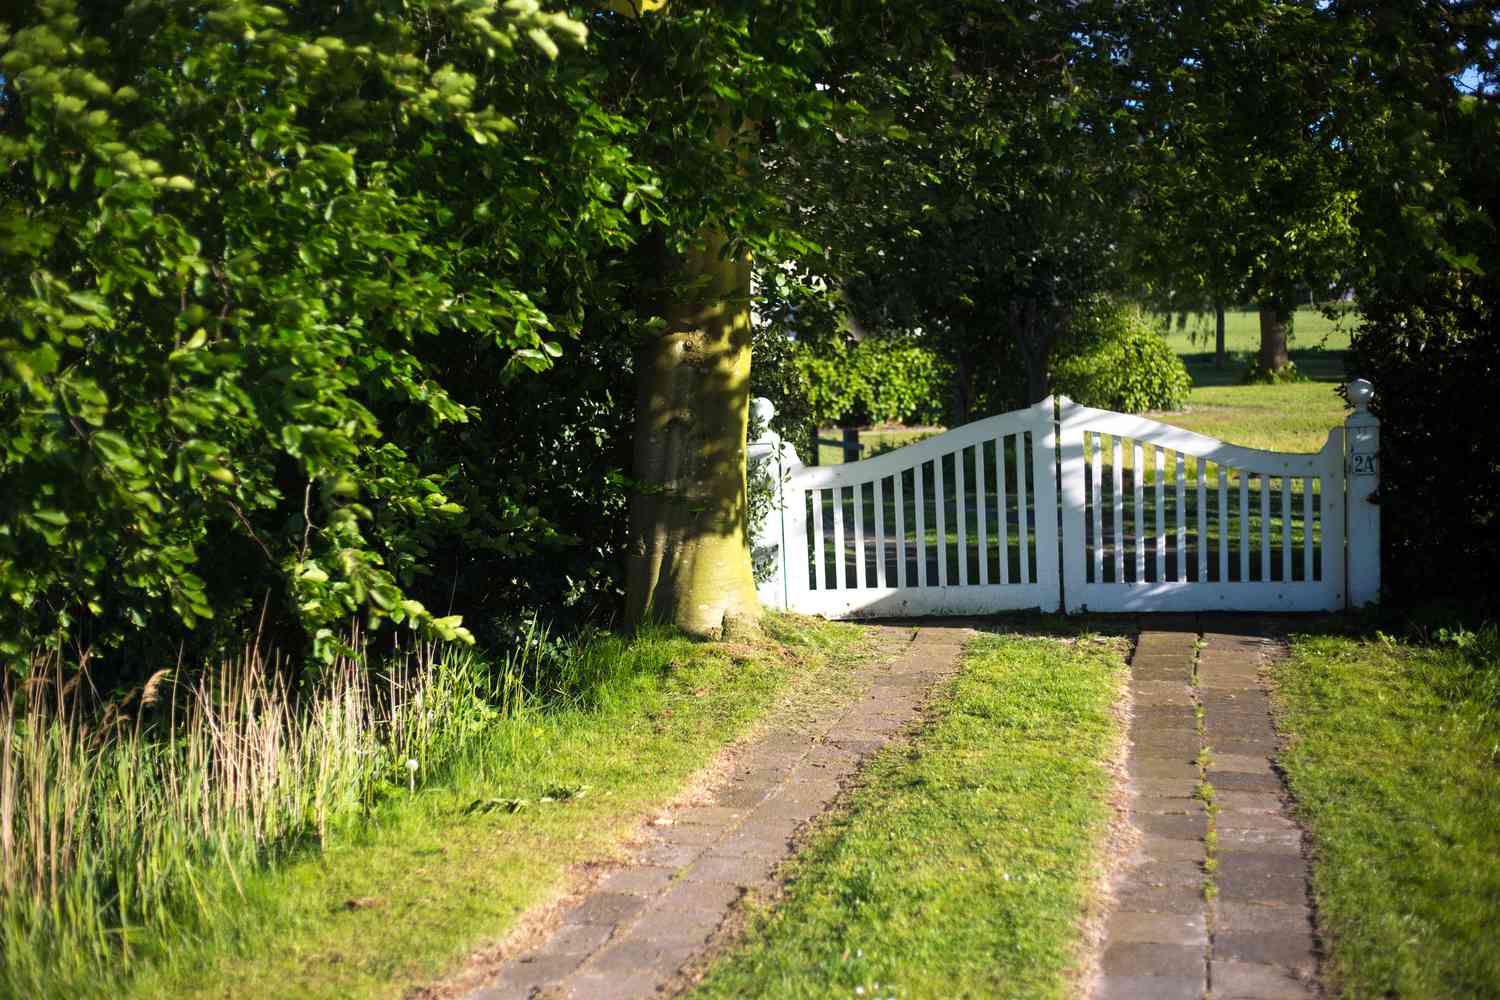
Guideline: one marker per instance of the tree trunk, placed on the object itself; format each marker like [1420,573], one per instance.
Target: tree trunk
[851,444]
[1273,324]
[1034,335]
[963,393]
[688,559]
[1218,335]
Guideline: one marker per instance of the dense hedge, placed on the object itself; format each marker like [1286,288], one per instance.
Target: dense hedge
[1433,354]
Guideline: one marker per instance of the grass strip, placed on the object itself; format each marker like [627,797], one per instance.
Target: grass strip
[964,862]
[1295,417]
[1394,760]
[396,904]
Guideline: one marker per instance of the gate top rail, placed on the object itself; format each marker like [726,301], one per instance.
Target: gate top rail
[1077,417]
[1037,419]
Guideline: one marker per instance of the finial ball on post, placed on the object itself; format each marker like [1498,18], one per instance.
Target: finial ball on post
[761,411]
[1360,393]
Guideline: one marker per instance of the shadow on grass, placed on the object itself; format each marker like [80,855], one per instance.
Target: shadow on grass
[1313,365]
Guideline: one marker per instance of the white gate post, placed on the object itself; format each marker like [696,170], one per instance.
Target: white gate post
[1074,503]
[1363,513]
[768,549]
[1044,482]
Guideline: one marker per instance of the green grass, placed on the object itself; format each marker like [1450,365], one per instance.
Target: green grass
[1394,760]
[396,898]
[964,864]
[875,441]
[1294,416]
[440,883]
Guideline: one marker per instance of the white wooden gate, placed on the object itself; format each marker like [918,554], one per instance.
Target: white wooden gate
[1153,518]
[961,523]
[1156,518]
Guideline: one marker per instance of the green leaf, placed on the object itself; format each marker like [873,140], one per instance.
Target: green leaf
[90,301]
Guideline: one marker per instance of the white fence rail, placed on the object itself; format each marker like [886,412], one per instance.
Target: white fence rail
[1153,518]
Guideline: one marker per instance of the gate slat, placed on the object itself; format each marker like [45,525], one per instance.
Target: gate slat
[877,496]
[1286,528]
[1137,470]
[1223,480]
[958,510]
[940,494]
[1117,504]
[1202,545]
[902,580]
[1180,469]
[859,535]
[1244,526]
[1002,509]
[1161,515]
[981,493]
[840,557]
[1265,528]
[1307,530]
[920,506]
[1098,477]
[818,546]
[1022,519]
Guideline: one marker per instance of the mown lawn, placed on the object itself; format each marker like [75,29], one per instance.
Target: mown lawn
[1294,416]
[1394,760]
[405,899]
[874,440]
[964,864]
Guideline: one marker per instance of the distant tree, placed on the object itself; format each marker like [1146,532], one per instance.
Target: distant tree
[983,200]
[1247,190]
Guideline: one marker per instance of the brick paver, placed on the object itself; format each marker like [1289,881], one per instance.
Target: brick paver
[638,928]
[1229,920]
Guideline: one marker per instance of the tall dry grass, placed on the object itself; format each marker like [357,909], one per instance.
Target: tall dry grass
[123,824]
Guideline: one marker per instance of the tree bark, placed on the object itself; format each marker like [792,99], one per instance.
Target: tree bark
[963,393]
[1034,335]
[1218,335]
[851,444]
[688,559]
[1273,323]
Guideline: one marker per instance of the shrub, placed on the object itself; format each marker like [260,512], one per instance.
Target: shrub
[1254,374]
[1113,359]
[873,381]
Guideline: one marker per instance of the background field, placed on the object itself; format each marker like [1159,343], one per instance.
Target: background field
[1293,416]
